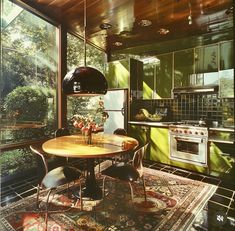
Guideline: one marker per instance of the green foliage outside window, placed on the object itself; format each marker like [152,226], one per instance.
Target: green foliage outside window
[27,104]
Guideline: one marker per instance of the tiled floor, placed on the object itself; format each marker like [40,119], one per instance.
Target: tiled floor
[218,214]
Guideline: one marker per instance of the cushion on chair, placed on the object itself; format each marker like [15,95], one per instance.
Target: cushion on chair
[122,171]
[60,175]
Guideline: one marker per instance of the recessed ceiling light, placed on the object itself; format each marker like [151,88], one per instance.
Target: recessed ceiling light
[125,33]
[118,44]
[105,26]
[145,22]
[163,31]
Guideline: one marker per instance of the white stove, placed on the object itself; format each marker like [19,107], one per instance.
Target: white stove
[189,142]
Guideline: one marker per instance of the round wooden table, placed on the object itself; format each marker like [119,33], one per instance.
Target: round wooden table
[102,145]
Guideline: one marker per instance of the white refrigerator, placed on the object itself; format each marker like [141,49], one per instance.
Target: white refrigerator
[116,105]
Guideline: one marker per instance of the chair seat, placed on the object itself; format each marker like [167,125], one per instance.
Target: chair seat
[122,171]
[61,175]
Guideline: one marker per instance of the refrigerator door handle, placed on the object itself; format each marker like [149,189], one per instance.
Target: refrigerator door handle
[123,111]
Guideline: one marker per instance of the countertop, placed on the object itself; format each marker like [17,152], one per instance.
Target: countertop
[216,134]
[151,124]
[167,123]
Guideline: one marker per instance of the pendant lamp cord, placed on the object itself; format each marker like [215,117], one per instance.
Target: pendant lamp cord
[84,32]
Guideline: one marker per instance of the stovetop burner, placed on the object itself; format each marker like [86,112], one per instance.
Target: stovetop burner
[189,128]
[199,123]
[195,123]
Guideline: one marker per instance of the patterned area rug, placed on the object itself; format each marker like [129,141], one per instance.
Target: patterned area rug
[172,204]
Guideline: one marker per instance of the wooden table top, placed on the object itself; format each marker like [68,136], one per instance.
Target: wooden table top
[103,145]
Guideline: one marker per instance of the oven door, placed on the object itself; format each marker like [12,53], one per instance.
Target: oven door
[188,149]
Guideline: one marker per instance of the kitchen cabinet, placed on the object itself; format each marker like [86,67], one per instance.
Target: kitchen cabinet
[141,133]
[149,81]
[226,73]
[222,160]
[226,55]
[164,76]
[184,68]
[159,145]
[126,73]
[118,74]
[158,77]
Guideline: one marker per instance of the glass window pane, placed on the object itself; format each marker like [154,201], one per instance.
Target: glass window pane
[82,109]
[29,73]
[206,59]
[16,162]
[183,67]
[226,55]
[164,76]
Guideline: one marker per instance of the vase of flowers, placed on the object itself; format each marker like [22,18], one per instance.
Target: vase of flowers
[87,126]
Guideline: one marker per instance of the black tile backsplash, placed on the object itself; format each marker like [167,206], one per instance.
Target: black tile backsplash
[190,106]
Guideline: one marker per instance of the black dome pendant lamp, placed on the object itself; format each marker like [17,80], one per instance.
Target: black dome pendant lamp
[84,81]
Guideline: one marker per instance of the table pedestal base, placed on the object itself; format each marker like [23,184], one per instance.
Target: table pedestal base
[92,189]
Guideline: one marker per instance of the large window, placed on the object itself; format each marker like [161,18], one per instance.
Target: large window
[29,68]
[28,75]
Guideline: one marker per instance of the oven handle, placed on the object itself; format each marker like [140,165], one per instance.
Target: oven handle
[191,139]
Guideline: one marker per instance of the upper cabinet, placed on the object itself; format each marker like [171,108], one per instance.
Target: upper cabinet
[158,77]
[226,72]
[126,73]
[164,76]
[183,67]
[206,65]
[118,74]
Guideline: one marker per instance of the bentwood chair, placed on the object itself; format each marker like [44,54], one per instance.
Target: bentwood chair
[56,177]
[62,132]
[118,131]
[127,172]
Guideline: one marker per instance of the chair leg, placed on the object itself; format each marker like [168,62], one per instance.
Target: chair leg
[37,202]
[145,195]
[104,186]
[47,207]
[131,189]
[81,199]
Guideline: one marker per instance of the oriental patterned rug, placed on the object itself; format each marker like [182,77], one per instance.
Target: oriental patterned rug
[173,202]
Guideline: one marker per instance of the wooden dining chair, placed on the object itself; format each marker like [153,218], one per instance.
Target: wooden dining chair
[128,172]
[58,176]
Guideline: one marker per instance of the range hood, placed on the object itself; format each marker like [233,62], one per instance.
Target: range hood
[197,89]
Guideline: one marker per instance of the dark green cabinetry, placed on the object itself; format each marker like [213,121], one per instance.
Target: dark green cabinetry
[183,67]
[222,159]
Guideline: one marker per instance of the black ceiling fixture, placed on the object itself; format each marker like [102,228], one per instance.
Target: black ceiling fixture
[84,81]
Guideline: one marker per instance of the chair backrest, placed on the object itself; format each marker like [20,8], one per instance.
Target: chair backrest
[62,132]
[137,160]
[120,131]
[37,149]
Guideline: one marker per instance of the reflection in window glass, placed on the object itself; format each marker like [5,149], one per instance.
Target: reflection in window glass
[80,109]
[183,67]
[164,76]
[28,75]
[226,78]
[226,55]
[206,59]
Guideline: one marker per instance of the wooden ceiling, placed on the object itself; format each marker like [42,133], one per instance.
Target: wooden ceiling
[169,19]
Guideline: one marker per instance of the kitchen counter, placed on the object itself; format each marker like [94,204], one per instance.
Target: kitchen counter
[166,124]
[216,134]
[221,135]
[151,124]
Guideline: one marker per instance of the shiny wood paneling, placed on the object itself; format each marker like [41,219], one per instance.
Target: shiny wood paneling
[208,16]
